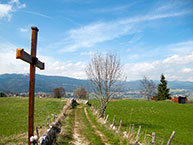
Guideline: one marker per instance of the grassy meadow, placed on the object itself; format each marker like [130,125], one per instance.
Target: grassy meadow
[14,114]
[160,117]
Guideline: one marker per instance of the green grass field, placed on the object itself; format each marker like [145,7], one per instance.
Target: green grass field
[14,114]
[159,117]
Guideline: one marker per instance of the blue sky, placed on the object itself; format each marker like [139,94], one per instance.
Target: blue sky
[150,36]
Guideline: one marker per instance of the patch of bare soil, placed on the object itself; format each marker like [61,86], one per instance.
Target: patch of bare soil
[102,136]
[78,139]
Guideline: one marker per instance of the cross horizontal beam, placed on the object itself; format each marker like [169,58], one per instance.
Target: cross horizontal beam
[21,54]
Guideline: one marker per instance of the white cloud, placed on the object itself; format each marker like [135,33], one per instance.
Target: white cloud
[175,50]
[11,6]
[179,59]
[89,35]
[171,59]
[8,61]
[53,67]
[172,5]
[19,5]
[9,64]
[87,53]
[176,67]
[187,70]
[135,38]
[181,47]
[113,9]
[23,29]
[5,10]
[151,17]
[38,14]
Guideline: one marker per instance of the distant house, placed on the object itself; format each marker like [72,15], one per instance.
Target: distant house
[180,99]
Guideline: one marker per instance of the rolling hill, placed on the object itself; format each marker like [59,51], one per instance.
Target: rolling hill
[19,83]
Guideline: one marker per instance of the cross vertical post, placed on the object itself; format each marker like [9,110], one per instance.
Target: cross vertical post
[34,62]
[32,83]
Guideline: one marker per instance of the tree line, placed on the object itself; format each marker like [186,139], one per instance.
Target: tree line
[60,92]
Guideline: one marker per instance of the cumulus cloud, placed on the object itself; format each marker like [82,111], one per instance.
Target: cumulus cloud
[10,7]
[8,61]
[66,68]
[9,64]
[5,10]
[179,59]
[176,67]
[187,70]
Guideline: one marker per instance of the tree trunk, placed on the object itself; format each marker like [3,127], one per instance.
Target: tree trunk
[102,110]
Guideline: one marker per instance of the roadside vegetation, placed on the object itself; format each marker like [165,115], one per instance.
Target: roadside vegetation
[14,116]
[161,117]
[66,134]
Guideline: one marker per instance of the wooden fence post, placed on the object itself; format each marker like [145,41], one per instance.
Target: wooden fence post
[132,130]
[119,126]
[47,122]
[54,117]
[106,118]
[172,135]
[138,133]
[153,138]
[112,125]
[114,119]
[37,133]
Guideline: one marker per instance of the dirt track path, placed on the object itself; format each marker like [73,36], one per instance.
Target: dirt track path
[81,122]
[102,136]
[78,139]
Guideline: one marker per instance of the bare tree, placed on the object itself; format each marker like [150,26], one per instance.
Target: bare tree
[148,88]
[81,93]
[105,75]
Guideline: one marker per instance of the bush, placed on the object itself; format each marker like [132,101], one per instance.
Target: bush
[58,93]
[2,94]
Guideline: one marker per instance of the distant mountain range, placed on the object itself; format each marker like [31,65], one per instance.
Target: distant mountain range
[20,83]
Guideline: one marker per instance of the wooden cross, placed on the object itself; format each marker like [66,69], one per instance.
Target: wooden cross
[34,62]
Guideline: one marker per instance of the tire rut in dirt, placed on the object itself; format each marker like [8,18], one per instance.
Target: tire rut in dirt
[99,133]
